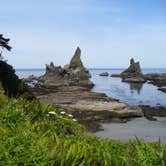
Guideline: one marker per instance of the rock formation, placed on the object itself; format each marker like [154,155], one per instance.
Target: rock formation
[105,74]
[73,74]
[158,80]
[68,89]
[133,73]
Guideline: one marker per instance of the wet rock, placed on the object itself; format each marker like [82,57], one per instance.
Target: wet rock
[115,75]
[156,79]
[105,74]
[134,80]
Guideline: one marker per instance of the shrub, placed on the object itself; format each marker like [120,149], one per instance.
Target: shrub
[13,86]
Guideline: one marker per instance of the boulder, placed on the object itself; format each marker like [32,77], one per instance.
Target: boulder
[105,74]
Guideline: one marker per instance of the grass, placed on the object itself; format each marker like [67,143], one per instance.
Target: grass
[30,134]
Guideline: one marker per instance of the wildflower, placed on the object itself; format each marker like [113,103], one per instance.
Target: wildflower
[75,120]
[52,113]
[63,112]
[69,115]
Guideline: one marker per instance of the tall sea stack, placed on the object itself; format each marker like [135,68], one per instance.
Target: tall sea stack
[73,74]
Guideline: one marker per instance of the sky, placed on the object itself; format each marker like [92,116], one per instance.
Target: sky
[109,32]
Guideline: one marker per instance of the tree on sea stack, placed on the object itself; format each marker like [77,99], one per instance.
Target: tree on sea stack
[4,44]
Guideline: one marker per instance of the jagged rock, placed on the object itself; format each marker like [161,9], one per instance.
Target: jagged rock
[105,74]
[133,70]
[76,67]
[73,74]
[133,73]
[76,60]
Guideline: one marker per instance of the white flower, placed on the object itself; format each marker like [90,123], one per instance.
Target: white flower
[62,112]
[52,113]
[70,115]
[75,120]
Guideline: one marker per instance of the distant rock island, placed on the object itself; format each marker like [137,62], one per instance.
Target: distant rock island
[104,74]
[133,74]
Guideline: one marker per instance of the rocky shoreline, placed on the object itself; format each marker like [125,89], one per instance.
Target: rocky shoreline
[69,90]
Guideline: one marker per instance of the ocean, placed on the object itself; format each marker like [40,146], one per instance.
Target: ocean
[133,94]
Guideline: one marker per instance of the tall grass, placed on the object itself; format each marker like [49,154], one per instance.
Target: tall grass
[30,135]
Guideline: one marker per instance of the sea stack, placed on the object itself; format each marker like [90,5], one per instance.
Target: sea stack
[72,74]
[133,73]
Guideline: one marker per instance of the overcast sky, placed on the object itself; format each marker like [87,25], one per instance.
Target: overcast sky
[109,32]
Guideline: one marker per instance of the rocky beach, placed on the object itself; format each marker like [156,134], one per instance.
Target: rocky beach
[69,89]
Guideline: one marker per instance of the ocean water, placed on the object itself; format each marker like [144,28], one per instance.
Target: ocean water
[133,94]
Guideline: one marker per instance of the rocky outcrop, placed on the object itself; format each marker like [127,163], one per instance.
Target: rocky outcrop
[115,75]
[133,73]
[86,106]
[156,79]
[104,74]
[73,74]
[133,70]
[68,89]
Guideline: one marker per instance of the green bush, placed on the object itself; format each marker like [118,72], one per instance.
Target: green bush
[13,86]
[3,98]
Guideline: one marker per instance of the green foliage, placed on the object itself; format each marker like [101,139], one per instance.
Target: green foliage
[13,86]
[37,134]
[3,98]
